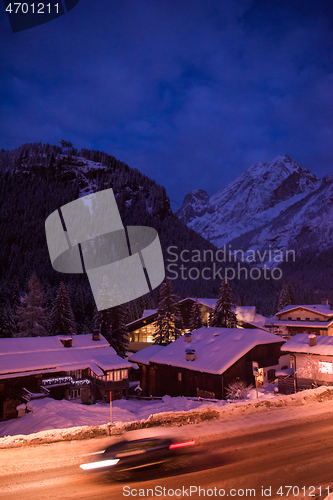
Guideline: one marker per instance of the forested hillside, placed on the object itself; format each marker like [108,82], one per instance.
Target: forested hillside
[36,179]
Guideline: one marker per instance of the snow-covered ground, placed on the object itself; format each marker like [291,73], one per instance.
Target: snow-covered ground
[55,417]
[48,413]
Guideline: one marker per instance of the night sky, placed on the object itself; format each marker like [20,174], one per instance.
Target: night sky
[189,92]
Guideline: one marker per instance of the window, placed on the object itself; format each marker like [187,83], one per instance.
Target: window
[109,376]
[284,367]
[179,377]
[74,394]
[325,367]
[124,374]
[116,376]
[289,317]
[298,319]
[271,374]
[307,319]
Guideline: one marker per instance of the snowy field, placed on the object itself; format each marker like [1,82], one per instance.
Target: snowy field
[46,414]
[50,416]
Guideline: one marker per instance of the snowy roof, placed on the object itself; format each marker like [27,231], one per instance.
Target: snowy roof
[300,343]
[299,323]
[143,356]
[216,349]
[148,312]
[205,302]
[316,308]
[52,343]
[284,373]
[47,354]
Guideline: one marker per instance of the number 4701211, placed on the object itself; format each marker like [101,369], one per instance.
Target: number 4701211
[305,491]
[32,8]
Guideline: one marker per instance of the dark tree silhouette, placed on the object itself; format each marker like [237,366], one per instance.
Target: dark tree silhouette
[168,325]
[62,320]
[111,322]
[195,316]
[31,315]
[223,315]
[287,296]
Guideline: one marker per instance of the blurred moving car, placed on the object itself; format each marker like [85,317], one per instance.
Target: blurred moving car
[131,454]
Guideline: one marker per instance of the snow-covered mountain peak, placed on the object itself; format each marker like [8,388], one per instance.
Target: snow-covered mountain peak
[283,163]
[194,205]
[253,199]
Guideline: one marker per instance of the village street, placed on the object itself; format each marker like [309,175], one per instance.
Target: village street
[238,463]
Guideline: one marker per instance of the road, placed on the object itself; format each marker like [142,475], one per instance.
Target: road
[298,454]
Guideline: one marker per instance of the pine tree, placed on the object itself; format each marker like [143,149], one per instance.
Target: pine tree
[223,315]
[287,296]
[169,324]
[62,317]
[291,292]
[195,317]
[7,322]
[111,322]
[80,314]
[118,337]
[31,315]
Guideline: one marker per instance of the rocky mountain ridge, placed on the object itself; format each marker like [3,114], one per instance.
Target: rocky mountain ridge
[276,205]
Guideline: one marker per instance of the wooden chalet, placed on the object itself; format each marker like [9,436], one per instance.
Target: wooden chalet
[311,360]
[206,361]
[311,319]
[78,368]
[141,330]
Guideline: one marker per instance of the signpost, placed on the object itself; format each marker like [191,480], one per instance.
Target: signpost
[110,407]
[255,369]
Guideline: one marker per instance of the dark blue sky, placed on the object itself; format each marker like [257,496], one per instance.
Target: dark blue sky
[189,92]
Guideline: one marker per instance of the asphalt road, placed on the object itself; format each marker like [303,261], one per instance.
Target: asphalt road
[292,461]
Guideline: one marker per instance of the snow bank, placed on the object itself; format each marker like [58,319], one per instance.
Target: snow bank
[51,421]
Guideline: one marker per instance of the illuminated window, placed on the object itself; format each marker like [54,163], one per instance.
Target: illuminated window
[325,367]
[124,374]
[179,377]
[116,375]
[109,376]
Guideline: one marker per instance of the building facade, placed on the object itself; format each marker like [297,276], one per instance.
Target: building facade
[81,368]
[207,363]
[141,331]
[311,319]
[311,360]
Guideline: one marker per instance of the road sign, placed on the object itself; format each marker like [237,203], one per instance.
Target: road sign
[255,368]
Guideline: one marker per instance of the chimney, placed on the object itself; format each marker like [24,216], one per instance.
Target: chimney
[95,335]
[324,302]
[312,340]
[187,337]
[67,342]
[190,354]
